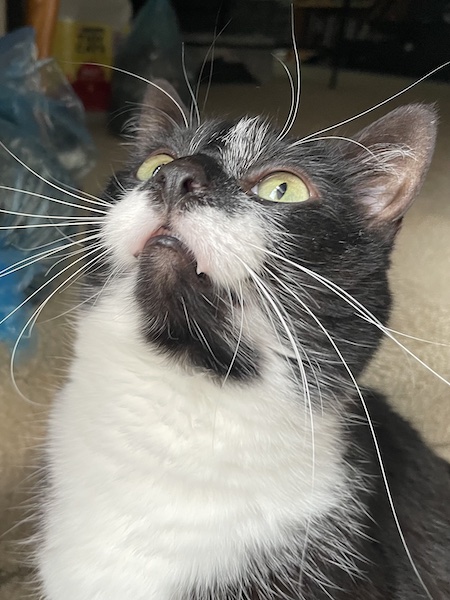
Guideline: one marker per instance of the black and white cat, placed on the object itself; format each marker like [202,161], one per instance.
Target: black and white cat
[212,441]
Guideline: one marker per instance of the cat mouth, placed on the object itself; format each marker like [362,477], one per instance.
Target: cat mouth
[164,241]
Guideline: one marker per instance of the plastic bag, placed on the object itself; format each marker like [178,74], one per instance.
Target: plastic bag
[44,141]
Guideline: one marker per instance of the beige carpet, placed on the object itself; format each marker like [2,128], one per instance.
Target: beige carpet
[420,280]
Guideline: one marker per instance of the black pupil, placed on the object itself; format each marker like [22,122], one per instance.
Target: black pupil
[281,190]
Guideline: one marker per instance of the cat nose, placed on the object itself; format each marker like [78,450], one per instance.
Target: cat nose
[181,177]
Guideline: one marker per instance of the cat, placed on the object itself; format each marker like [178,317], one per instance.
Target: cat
[212,441]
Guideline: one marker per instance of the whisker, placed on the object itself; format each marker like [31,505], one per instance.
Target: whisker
[84,193]
[188,321]
[116,179]
[335,137]
[44,216]
[69,255]
[52,243]
[48,182]
[45,284]
[71,309]
[293,115]
[194,104]
[308,405]
[291,85]
[380,104]
[413,337]
[32,320]
[203,339]
[50,198]
[208,53]
[273,301]
[372,432]
[361,310]
[40,225]
[238,342]
[29,260]
[113,273]
[147,81]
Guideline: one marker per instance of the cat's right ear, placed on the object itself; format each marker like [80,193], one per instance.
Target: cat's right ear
[162,108]
[391,158]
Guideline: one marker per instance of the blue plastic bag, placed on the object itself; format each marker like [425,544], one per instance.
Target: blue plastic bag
[44,144]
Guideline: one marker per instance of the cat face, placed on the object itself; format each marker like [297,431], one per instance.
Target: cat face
[239,243]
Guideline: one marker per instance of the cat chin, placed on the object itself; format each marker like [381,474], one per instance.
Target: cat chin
[166,262]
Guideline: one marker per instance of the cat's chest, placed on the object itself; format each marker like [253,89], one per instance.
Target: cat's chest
[190,478]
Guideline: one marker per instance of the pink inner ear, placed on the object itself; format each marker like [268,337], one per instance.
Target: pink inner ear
[401,146]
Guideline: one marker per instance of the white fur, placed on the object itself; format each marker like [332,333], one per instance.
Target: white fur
[128,225]
[218,240]
[244,144]
[162,480]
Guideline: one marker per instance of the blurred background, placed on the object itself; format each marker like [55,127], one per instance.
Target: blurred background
[401,37]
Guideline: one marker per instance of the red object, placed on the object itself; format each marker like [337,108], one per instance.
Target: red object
[92,88]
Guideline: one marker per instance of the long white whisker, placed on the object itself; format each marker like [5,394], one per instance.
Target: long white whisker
[188,321]
[113,273]
[42,287]
[361,310]
[291,84]
[411,337]
[52,243]
[293,115]
[238,342]
[8,188]
[71,309]
[203,339]
[32,320]
[46,216]
[70,255]
[29,260]
[372,432]
[308,523]
[194,104]
[274,304]
[335,137]
[147,81]
[97,200]
[48,182]
[382,103]
[40,225]
[208,53]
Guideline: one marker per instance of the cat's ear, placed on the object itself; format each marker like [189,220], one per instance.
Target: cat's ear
[393,156]
[162,107]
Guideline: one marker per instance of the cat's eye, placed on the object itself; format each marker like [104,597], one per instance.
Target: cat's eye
[282,186]
[152,165]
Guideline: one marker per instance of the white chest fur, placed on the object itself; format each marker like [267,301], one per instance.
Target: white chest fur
[161,480]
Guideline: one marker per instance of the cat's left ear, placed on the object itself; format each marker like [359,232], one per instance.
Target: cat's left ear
[162,108]
[393,157]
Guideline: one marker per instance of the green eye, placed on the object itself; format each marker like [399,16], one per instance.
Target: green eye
[150,166]
[282,187]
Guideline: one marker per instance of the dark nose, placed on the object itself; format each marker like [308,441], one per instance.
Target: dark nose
[181,177]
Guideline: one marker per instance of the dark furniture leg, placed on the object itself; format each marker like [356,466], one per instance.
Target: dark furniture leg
[339,44]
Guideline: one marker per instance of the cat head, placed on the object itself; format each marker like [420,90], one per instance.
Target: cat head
[240,244]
